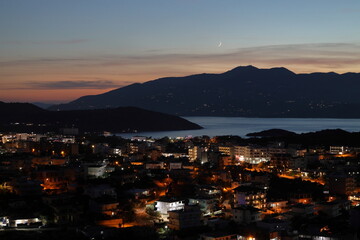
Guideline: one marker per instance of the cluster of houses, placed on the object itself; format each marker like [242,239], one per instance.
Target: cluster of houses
[184,188]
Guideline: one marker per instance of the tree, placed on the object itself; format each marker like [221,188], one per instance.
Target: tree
[152,212]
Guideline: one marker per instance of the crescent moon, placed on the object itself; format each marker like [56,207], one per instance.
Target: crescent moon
[220,43]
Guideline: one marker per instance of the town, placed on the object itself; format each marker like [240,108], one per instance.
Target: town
[208,188]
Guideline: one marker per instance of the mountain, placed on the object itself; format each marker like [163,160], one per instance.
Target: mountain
[243,91]
[327,137]
[28,117]
[272,133]
[42,105]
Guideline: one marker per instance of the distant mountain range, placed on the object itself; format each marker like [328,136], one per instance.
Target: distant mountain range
[28,117]
[272,133]
[243,91]
[327,137]
[42,105]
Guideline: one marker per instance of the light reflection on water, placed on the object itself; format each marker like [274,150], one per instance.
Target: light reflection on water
[217,126]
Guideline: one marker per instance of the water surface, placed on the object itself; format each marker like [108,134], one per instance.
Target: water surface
[217,126]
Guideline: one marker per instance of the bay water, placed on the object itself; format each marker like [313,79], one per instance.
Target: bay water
[240,126]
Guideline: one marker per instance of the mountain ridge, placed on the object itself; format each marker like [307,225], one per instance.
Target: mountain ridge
[28,117]
[245,91]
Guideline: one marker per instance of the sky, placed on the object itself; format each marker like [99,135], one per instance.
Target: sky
[58,50]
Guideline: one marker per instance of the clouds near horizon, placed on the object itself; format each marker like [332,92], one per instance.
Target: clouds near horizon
[106,72]
[99,84]
[326,56]
[46,42]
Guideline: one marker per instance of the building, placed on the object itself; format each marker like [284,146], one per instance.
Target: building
[280,161]
[95,170]
[338,149]
[296,163]
[22,220]
[249,195]
[175,165]
[164,205]
[208,190]
[273,224]
[330,209]
[225,160]
[198,153]
[154,165]
[227,150]
[137,147]
[301,197]
[255,154]
[261,178]
[194,153]
[303,209]
[218,236]
[96,191]
[188,217]
[341,184]
[104,205]
[66,208]
[55,177]
[154,154]
[278,206]
[206,203]
[245,214]
[251,154]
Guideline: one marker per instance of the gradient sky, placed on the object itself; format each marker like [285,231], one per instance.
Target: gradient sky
[59,50]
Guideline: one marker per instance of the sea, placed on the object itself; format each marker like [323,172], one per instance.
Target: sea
[240,126]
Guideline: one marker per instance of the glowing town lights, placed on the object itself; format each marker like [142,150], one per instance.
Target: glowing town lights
[325,229]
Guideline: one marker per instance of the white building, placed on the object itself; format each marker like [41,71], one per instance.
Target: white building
[96,171]
[197,152]
[164,205]
[338,149]
[255,154]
